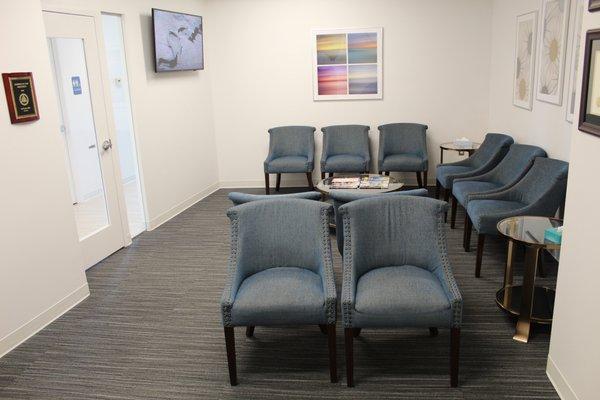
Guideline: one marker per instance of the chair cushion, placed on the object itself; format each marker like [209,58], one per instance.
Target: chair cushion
[345,163]
[444,172]
[462,189]
[401,296]
[280,296]
[485,214]
[288,164]
[403,163]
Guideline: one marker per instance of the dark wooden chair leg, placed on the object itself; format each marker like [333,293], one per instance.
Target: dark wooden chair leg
[446,198]
[322,175]
[454,356]
[331,174]
[249,331]
[311,185]
[278,184]
[438,188]
[433,332]
[453,213]
[323,329]
[267,189]
[419,179]
[425,179]
[356,332]
[230,345]
[540,269]
[349,357]
[467,233]
[480,242]
[332,353]
[387,173]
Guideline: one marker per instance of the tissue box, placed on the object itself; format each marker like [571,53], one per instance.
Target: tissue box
[463,143]
[553,235]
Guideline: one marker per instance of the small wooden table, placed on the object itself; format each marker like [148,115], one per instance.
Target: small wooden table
[528,302]
[452,146]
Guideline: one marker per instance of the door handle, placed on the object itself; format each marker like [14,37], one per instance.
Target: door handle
[107,144]
[92,146]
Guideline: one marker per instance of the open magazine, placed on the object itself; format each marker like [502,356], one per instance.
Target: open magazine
[374,182]
[345,183]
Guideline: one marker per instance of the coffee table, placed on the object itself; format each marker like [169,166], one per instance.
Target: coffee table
[324,188]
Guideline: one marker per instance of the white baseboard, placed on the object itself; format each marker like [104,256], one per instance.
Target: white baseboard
[21,334]
[184,205]
[564,390]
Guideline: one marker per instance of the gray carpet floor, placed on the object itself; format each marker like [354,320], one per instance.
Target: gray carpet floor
[151,330]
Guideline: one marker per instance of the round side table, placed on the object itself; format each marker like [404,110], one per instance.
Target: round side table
[451,146]
[528,302]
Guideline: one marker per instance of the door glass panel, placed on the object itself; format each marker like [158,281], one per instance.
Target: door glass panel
[79,135]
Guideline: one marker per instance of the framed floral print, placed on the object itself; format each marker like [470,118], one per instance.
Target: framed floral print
[525,60]
[575,57]
[553,41]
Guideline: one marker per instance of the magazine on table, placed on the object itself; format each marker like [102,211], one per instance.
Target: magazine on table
[374,182]
[345,183]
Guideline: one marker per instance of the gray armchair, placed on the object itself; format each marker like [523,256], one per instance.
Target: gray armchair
[541,192]
[490,153]
[291,150]
[396,271]
[280,271]
[403,148]
[345,149]
[342,197]
[238,198]
[513,166]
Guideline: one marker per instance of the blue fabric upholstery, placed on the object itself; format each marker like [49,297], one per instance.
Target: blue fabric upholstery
[345,148]
[341,197]
[280,269]
[541,192]
[490,153]
[396,268]
[291,150]
[513,167]
[238,198]
[402,148]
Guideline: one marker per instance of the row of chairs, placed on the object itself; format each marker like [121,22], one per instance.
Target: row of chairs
[396,272]
[402,148]
[501,179]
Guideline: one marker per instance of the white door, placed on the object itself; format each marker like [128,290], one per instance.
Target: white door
[75,59]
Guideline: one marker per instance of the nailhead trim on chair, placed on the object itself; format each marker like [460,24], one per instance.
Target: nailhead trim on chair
[227,300]
[348,302]
[330,295]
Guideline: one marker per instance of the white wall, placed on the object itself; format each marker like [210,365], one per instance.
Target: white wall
[574,359]
[546,124]
[172,112]
[40,263]
[436,71]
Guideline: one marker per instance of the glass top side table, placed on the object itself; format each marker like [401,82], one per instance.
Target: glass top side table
[451,146]
[528,302]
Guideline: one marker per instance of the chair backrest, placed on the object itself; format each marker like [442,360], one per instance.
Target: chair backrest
[494,147]
[515,164]
[292,141]
[238,198]
[280,233]
[388,231]
[345,139]
[402,138]
[340,198]
[544,186]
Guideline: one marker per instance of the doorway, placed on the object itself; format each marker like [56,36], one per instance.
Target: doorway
[89,157]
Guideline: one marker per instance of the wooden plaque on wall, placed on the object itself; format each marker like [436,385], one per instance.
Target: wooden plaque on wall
[20,97]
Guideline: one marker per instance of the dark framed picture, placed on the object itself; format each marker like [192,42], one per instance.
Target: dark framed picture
[594,5]
[589,112]
[20,97]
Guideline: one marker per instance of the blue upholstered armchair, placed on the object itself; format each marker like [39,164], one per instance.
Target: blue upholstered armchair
[345,149]
[280,271]
[342,197]
[238,198]
[492,150]
[541,192]
[509,171]
[403,148]
[291,150]
[396,270]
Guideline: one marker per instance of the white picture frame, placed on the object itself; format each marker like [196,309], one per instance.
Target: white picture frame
[345,64]
[554,24]
[524,63]
[575,57]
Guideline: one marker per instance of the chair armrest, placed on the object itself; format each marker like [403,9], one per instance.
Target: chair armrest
[234,276]
[381,152]
[326,268]
[348,276]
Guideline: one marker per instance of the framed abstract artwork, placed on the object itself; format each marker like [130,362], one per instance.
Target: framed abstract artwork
[347,64]
[589,111]
[553,40]
[525,60]
[575,57]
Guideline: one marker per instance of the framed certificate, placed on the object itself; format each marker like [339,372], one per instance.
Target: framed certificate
[20,97]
